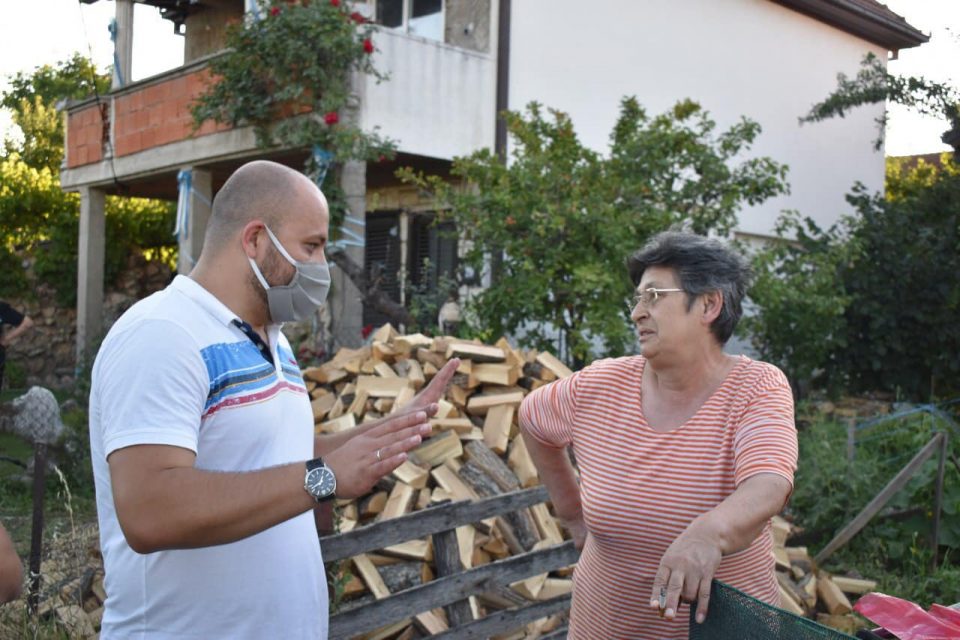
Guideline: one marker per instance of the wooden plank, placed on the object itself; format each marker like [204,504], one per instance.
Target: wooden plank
[496,427]
[479,405]
[854,585]
[475,352]
[832,597]
[552,363]
[881,499]
[447,561]
[422,523]
[371,577]
[504,621]
[379,387]
[448,589]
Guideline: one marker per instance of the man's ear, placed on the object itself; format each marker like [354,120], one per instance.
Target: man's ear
[712,306]
[250,237]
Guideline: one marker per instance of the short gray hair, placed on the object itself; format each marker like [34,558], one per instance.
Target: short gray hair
[702,265]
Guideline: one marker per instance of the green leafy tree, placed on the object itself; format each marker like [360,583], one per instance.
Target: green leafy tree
[872,303]
[873,84]
[564,218]
[36,217]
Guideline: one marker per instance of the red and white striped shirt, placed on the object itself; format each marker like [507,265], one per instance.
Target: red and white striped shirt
[640,488]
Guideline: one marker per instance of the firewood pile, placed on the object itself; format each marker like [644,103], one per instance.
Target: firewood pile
[474,452]
[810,592]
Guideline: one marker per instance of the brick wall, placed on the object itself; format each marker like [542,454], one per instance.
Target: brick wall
[85,136]
[159,114]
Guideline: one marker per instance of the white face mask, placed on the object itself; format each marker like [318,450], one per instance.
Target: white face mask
[305,292]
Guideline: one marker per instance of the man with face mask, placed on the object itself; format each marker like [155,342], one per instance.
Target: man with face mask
[201,432]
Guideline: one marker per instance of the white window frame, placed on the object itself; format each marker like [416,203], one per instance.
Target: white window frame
[405,25]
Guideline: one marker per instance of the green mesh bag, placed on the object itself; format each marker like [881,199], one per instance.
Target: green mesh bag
[734,615]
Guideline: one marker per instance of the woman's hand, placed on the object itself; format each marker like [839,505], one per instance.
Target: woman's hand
[686,571]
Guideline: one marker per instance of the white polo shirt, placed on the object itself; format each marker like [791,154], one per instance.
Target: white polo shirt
[175,371]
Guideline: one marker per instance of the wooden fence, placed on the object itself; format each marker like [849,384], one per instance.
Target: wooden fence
[453,584]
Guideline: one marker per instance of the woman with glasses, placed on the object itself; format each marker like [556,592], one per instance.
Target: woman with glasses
[684,452]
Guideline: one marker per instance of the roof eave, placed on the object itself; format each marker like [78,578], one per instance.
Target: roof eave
[893,35]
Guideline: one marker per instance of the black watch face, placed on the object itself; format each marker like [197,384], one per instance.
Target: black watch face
[321,483]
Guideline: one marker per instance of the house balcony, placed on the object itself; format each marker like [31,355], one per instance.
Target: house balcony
[439,102]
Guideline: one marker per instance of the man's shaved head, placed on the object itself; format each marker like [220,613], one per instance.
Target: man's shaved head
[259,190]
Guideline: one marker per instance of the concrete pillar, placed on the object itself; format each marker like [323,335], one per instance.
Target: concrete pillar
[346,305]
[123,47]
[201,199]
[90,254]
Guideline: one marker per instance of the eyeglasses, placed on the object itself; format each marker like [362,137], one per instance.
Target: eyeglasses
[649,297]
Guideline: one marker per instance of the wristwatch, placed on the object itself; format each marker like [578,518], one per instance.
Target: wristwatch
[319,480]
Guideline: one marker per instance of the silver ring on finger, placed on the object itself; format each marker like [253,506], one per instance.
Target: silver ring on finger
[379,459]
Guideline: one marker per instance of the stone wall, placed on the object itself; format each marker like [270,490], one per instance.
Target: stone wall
[47,353]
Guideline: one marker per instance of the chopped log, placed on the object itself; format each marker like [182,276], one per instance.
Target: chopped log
[479,405]
[321,405]
[415,374]
[445,410]
[459,395]
[412,550]
[410,343]
[502,598]
[384,370]
[790,602]
[553,587]
[426,356]
[386,333]
[797,594]
[399,502]
[387,631]
[782,560]
[402,575]
[373,504]
[551,362]
[383,351]
[546,524]
[832,597]
[522,464]
[460,425]
[476,353]
[411,474]
[781,531]
[520,523]
[378,387]
[336,410]
[855,586]
[492,465]
[383,405]
[465,537]
[450,482]
[370,576]
[496,427]
[326,374]
[359,405]
[403,398]
[344,422]
[502,374]
[431,622]
[434,451]
[513,358]
[809,587]
[423,499]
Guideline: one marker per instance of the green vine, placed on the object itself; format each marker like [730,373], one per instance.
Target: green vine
[287,73]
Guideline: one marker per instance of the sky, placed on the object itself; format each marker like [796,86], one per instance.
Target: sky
[37,32]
